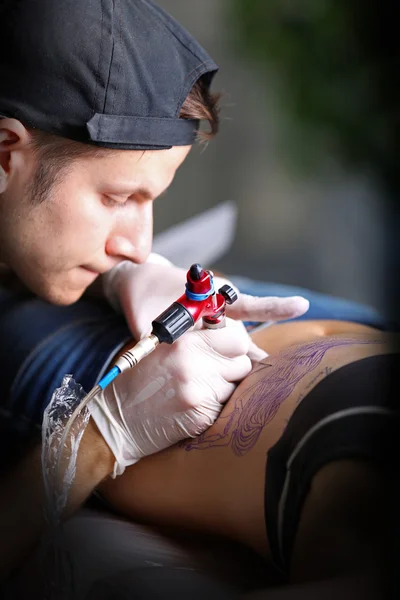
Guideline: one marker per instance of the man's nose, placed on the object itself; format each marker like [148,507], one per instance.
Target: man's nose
[132,236]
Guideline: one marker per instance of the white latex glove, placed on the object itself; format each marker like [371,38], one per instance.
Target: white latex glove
[175,393]
[144,291]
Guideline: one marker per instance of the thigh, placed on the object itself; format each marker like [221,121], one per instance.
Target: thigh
[216,482]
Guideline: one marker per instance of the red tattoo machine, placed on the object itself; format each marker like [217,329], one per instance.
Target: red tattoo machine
[200,301]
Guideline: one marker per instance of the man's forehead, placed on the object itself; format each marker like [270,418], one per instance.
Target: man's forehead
[137,161]
[145,173]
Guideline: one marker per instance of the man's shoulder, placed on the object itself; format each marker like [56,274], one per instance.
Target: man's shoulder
[9,280]
[5,274]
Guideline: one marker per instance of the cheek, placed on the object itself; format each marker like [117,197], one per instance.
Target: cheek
[77,223]
[84,213]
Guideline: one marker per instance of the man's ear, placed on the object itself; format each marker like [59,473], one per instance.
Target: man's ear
[13,136]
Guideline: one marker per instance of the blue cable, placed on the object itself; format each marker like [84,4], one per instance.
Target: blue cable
[109,377]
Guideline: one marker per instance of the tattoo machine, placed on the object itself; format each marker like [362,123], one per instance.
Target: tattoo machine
[200,301]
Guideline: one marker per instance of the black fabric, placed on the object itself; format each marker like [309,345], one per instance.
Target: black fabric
[113,73]
[159,583]
[349,415]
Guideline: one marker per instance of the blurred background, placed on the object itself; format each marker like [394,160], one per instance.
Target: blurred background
[307,143]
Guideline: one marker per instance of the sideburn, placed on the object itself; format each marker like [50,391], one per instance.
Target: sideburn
[49,174]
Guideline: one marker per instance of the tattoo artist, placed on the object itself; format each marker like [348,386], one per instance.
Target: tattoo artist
[100,103]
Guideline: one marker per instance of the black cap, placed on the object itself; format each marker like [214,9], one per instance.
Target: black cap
[113,73]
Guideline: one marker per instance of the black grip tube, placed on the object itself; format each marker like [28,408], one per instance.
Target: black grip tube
[172,323]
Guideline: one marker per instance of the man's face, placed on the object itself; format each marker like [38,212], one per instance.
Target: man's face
[101,213]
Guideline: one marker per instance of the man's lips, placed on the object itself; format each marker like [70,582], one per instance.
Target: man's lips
[93,271]
[98,269]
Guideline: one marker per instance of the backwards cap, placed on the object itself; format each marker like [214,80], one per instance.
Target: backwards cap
[113,73]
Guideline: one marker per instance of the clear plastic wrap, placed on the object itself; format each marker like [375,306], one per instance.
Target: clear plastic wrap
[59,468]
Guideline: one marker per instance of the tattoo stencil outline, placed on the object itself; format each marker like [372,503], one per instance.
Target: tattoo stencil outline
[247,419]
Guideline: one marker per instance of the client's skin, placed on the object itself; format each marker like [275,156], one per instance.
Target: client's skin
[215,483]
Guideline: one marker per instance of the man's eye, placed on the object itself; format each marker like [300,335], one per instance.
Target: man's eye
[112,202]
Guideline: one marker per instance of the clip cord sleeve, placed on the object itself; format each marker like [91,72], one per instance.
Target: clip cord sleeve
[109,377]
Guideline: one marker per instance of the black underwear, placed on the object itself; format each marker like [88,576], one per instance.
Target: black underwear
[349,415]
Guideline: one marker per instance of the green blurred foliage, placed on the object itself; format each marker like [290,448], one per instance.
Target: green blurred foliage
[335,71]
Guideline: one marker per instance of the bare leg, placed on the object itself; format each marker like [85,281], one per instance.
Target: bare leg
[215,483]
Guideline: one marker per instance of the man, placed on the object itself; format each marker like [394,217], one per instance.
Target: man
[100,104]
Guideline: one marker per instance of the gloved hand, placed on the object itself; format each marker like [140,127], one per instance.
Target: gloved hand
[144,291]
[175,393]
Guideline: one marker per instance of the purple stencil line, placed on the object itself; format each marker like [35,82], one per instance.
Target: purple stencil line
[244,424]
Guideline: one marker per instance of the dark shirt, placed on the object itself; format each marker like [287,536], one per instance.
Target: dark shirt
[40,343]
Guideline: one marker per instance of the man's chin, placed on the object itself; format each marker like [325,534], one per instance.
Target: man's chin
[61,296]
[62,290]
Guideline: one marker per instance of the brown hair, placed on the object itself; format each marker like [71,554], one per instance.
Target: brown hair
[201,104]
[56,153]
